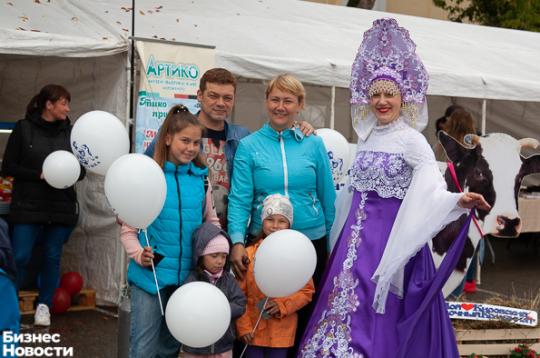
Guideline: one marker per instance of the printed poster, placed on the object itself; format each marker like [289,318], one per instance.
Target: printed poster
[170,75]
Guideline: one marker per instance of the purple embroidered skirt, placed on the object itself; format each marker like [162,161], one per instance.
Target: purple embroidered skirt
[343,322]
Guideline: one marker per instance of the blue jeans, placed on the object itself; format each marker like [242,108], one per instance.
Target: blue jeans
[469,276]
[149,334]
[54,237]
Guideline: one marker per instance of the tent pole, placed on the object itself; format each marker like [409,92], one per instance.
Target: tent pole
[332,108]
[484,116]
[132,74]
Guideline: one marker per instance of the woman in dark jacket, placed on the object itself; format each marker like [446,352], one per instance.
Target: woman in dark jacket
[36,205]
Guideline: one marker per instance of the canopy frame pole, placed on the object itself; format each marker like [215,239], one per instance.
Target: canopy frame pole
[484,105]
[131,78]
[332,108]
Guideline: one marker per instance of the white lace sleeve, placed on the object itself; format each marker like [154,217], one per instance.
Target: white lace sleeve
[426,209]
[417,151]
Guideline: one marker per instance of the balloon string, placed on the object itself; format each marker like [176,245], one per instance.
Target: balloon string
[155,277]
[256,324]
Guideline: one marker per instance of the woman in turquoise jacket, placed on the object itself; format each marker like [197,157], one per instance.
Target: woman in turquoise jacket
[278,159]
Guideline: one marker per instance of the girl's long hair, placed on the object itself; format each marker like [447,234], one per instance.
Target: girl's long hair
[252,240]
[458,126]
[177,120]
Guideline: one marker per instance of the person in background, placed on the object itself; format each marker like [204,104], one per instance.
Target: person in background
[165,247]
[35,205]
[211,247]
[458,126]
[217,95]
[440,124]
[10,320]
[7,259]
[274,335]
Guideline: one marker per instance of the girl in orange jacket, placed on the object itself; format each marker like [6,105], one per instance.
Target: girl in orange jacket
[273,336]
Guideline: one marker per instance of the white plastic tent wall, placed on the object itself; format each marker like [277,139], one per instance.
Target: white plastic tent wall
[64,42]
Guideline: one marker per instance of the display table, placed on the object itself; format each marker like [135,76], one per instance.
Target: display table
[529,211]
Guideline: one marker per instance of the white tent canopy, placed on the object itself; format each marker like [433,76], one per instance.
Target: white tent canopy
[258,39]
[317,43]
[83,45]
[62,28]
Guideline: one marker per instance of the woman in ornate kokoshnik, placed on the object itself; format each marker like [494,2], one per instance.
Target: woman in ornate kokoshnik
[380,295]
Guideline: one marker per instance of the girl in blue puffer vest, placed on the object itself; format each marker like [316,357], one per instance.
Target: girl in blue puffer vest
[188,203]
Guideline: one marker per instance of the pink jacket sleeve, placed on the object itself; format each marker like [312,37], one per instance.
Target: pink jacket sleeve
[130,237]
[209,214]
[130,240]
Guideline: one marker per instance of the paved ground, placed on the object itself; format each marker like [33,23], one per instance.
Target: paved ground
[94,334]
[516,269]
[91,333]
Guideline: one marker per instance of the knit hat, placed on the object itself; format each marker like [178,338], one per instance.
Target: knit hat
[218,244]
[277,204]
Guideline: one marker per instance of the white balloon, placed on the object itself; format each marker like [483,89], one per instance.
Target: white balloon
[198,314]
[338,152]
[352,154]
[98,138]
[135,188]
[61,169]
[284,263]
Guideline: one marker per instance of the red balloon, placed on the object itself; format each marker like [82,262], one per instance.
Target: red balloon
[61,301]
[72,282]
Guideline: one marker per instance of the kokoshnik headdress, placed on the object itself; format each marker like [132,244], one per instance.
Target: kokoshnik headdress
[387,59]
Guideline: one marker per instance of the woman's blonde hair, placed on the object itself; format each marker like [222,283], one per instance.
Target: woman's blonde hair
[177,120]
[458,126]
[288,83]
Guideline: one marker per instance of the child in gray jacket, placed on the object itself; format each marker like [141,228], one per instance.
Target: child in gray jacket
[211,248]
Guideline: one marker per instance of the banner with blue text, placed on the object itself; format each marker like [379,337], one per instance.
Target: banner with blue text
[485,312]
[170,75]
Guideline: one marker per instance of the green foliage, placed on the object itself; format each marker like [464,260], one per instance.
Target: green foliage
[523,351]
[474,355]
[511,14]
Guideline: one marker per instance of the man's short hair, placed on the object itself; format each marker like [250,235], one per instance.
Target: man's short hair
[218,75]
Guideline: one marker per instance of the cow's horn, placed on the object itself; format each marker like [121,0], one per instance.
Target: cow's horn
[529,142]
[471,139]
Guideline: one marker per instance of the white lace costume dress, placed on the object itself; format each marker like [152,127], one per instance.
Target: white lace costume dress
[379,296]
